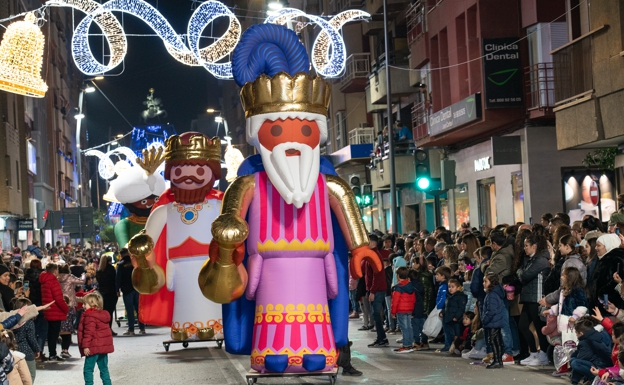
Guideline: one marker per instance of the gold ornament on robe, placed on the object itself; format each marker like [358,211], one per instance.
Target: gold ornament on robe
[145,280]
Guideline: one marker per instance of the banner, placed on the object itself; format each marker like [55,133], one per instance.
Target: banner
[502,72]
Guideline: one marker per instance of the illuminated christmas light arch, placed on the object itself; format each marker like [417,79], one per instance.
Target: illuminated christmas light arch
[328,58]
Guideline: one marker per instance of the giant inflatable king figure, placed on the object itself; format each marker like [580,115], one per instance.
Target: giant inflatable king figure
[287,219]
[137,188]
[177,239]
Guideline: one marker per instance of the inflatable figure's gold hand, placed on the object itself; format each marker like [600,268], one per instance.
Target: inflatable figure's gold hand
[145,280]
[222,278]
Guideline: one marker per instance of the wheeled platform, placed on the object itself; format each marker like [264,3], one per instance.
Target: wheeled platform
[253,376]
[186,343]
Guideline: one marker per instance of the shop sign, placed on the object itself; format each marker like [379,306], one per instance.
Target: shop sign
[25,225]
[455,115]
[482,164]
[506,150]
[502,73]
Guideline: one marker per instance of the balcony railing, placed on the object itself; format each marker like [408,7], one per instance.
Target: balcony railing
[573,69]
[415,21]
[356,66]
[420,117]
[362,135]
[540,83]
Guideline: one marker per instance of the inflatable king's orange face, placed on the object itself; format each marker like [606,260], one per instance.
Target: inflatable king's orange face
[274,133]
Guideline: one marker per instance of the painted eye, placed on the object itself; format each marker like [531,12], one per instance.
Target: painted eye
[276,130]
[178,171]
[306,130]
[156,199]
[200,171]
[144,201]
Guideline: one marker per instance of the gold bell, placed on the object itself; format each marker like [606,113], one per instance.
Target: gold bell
[21,58]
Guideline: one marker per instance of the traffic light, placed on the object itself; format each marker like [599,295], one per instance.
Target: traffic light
[423,170]
[367,195]
[354,182]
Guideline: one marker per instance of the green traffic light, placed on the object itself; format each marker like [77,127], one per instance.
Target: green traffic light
[367,200]
[423,183]
[358,199]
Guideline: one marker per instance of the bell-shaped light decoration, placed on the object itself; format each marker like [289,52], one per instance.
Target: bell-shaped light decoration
[233,159]
[21,58]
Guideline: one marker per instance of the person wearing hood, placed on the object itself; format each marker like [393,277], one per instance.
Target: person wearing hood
[51,292]
[130,295]
[610,260]
[591,351]
[502,256]
[403,300]
[535,267]
[493,318]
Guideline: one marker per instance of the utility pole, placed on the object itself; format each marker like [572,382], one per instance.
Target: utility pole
[393,194]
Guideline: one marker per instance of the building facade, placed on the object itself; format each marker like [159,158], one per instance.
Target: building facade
[38,154]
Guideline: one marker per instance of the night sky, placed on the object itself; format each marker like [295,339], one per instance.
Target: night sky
[184,91]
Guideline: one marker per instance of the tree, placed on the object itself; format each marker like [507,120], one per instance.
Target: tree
[603,159]
[107,234]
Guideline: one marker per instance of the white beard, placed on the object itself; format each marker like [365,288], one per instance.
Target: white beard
[294,177]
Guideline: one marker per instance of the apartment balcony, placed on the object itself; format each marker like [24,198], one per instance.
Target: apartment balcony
[404,171]
[345,5]
[362,135]
[372,27]
[540,89]
[572,64]
[400,81]
[357,69]
[420,119]
[416,17]
[376,6]
[372,93]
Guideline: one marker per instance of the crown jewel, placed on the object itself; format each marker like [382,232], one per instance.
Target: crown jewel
[285,93]
[198,147]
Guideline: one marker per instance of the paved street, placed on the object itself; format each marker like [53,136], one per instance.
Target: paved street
[142,360]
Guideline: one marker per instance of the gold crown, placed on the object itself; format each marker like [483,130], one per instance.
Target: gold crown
[198,147]
[285,93]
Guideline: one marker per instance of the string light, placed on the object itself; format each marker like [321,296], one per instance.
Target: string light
[101,14]
[329,54]
[328,51]
[21,57]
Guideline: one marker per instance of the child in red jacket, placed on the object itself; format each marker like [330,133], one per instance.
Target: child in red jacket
[95,339]
[403,300]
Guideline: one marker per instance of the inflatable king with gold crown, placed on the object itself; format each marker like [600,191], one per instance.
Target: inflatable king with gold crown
[288,219]
[175,244]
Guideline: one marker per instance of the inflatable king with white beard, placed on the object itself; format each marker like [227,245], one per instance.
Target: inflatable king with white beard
[288,219]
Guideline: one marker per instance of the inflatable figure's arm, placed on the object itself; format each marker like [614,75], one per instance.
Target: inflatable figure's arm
[331,276]
[342,202]
[223,278]
[148,277]
[254,268]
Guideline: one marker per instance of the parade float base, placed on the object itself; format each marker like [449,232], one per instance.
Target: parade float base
[253,376]
[186,343]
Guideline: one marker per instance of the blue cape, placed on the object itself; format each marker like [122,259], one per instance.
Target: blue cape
[238,316]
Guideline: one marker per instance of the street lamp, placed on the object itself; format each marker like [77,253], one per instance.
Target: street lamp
[87,88]
[275,5]
[210,110]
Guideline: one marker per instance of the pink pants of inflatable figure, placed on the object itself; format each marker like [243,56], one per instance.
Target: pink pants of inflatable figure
[292,273]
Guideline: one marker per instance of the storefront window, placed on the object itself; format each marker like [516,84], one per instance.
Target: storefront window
[462,205]
[487,202]
[577,195]
[445,212]
[518,196]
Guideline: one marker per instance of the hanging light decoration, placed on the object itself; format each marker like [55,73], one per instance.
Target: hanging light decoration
[21,58]
[233,158]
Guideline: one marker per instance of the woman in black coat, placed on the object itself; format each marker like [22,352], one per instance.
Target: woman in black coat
[106,278]
[610,259]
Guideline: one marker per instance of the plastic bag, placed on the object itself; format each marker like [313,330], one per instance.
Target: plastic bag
[433,324]
[562,354]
